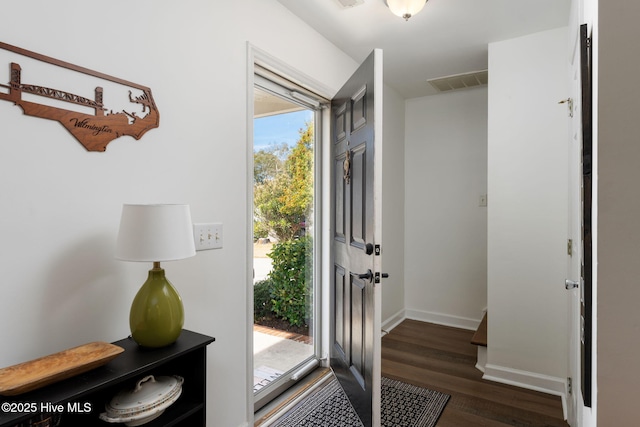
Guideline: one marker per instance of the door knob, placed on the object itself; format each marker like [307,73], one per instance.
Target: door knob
[571,284]
[368,249]
[368,275]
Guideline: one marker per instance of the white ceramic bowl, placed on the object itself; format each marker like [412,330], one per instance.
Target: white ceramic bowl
[146,402]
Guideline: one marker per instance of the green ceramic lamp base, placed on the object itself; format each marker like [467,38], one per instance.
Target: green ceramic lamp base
[157,313]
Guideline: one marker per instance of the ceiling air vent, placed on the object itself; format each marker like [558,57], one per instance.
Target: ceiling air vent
[460,81]
[349,3]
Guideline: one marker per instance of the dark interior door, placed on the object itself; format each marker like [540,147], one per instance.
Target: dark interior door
[352,292]
[586,299]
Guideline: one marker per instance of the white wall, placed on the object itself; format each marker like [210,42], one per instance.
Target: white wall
[618,210]
[61,204]
[527,218]
[393,190]
[445,228]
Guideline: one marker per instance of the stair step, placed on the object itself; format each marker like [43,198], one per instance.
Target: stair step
[480,336]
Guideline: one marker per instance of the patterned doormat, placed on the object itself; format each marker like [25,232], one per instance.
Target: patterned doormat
[403,405]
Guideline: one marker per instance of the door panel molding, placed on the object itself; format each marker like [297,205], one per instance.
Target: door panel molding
[359,206]
[341,306]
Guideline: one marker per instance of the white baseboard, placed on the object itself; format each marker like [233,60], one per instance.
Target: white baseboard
[529,380]
[393,321]
[443,319]
[481,358]
[525,379]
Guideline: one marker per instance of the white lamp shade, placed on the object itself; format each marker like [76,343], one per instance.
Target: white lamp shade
[155,233]
[404,8]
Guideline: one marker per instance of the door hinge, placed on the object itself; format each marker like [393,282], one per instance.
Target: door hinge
[571,284]
[570,247]
[569,102]
[569,385]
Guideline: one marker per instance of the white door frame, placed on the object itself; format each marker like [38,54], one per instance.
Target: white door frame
[256,56]
[578,414]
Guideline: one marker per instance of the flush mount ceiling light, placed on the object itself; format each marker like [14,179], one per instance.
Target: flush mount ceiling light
[405,8]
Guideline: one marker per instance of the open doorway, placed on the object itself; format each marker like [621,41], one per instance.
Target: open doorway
[285,238]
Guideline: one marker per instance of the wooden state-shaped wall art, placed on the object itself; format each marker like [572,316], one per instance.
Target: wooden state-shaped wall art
[88,120]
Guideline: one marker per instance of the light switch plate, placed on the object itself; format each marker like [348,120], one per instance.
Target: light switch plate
[207,236]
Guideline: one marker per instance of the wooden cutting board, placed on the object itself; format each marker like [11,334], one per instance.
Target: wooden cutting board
[37,373]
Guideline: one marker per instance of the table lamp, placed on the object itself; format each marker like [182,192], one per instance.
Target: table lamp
[155,233]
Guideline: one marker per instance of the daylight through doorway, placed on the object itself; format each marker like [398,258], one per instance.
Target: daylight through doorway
[284,235]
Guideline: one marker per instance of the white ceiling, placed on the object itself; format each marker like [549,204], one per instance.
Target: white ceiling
[447,37]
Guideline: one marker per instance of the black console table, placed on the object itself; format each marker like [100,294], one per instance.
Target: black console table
[81,399]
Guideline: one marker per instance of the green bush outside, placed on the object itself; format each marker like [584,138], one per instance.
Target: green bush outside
[290,280]
[262,299]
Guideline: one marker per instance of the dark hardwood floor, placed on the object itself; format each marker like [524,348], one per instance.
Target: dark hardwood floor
[443,359]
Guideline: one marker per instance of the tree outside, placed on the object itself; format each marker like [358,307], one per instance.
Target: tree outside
[283,188]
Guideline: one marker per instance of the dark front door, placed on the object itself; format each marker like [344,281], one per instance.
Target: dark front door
[353,297]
